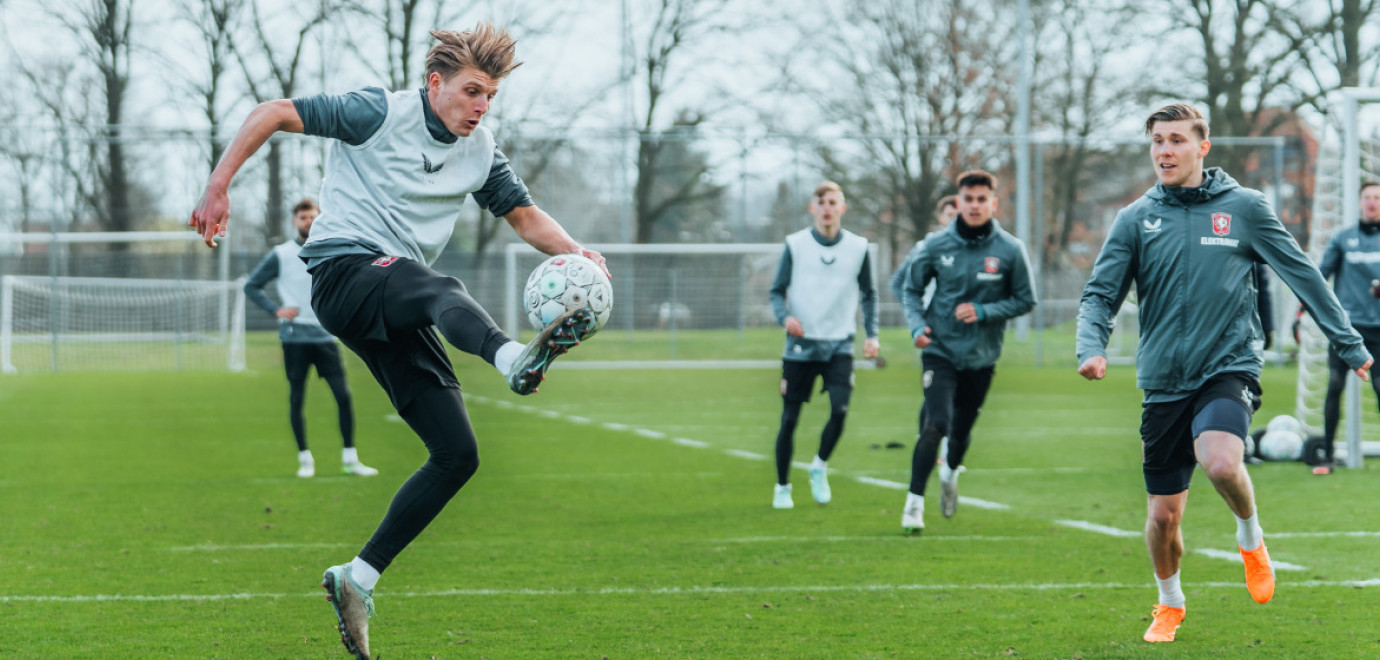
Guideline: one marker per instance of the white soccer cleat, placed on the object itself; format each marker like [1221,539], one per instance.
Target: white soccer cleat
[819,485]
[913,515]
[781,498]
[357,469]
[306,470]
[948,489]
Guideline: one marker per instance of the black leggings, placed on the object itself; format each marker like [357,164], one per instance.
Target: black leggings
[953,399]
[297,396]
[439,417]
[828,438]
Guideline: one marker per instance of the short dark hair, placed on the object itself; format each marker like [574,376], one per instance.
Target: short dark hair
[1367,184]
[947,200]
[307,204]
[975,178]
[1179,112]
[827,187]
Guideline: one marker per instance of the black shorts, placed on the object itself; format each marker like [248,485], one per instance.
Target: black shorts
[298,357]
[351,294]
[798,376]
[1167,430]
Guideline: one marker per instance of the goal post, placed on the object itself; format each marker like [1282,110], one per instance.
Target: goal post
[75,301]
[1346,156]
[678,305]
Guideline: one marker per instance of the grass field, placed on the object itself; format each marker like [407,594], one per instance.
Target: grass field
[156,515]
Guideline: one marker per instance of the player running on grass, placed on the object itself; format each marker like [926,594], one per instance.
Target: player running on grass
[982,279]
[824,274]
[1189,245]
[400,166]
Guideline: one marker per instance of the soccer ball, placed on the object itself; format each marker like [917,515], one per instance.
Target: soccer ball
[567,282]
[1285,423]
[1281,445]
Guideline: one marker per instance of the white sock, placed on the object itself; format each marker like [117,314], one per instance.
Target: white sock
[1170,592]
[363,574]
[506,356]
[780,488]
[819,464]
[304,457]
[918,500]
[946,473]
[1248,533]
[349,456]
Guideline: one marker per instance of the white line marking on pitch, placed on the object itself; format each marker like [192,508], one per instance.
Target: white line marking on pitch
[970,501]
[903,538]
[752,456]
[1099,529]
[687,442]
[1320,535]
[1236,557]
[673,591]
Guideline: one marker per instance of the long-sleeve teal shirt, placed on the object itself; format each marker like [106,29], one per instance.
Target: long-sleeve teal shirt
[1190,254]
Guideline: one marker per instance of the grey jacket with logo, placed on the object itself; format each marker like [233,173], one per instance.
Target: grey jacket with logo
[1353,259]
[992,272]
[1192,266]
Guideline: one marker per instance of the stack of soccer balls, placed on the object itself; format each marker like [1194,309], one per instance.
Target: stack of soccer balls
[1283,440]
[567,282]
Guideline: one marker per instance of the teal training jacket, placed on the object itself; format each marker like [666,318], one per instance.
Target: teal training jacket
[992,272]
[1190,254]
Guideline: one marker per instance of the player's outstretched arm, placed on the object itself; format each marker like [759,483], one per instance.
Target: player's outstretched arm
[541,231]
[212,213]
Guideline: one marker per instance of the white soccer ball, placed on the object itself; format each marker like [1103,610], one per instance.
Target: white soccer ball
[1281,445]
[1285,423]
[567,282]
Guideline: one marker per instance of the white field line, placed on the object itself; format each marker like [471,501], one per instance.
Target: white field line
[750,455]
[677,591]
[1321,535]
[1236,557]
[970,501]
[1099,529]
[902,538]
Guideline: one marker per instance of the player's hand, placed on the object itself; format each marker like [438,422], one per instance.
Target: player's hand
[287,313]
[871,347]
[1093,368]
[597,258]
[966,313]
[923,340]
[211,215]
[1363,372]
[793,327]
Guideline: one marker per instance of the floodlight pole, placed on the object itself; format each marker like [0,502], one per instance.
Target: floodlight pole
[1023,150]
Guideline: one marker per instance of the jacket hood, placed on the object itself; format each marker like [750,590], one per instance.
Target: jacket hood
[1216,182]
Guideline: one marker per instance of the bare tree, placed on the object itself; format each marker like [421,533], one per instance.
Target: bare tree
[1079,95]
[214,20]
[104,30]
[665,53]
[282,59]
[1343,50]
[908,78]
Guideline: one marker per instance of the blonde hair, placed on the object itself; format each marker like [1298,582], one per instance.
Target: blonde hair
[827,187]
[487,48]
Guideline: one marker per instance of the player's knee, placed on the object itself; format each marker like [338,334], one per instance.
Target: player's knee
[456,466]
[1163,519]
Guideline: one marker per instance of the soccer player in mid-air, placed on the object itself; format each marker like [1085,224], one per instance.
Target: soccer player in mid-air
[824,274]
[981,279]
[1189,245]
[400,165]
[305,342]
[1352,259]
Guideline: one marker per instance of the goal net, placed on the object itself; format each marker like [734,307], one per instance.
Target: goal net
[675,305]
[58,321]
[1348,154]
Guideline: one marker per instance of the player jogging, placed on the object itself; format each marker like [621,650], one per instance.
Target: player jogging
[305,342]
[825,272]
[1190,245]
[982,279]
[400,165]
[1352,259]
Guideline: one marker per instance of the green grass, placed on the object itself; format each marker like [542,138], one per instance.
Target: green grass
[169,493]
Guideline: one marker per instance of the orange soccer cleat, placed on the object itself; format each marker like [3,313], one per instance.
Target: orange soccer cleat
[1260,575]
[1167,620]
